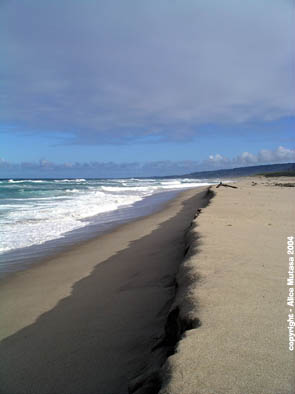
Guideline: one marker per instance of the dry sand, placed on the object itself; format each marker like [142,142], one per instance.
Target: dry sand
[92,319]
[234,281]
[85,322]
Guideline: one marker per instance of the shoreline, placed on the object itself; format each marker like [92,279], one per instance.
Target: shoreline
[70,320]
[21,259]
[203,305]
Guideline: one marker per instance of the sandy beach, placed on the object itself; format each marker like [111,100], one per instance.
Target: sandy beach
[147,197]
[234,281]
[190,300]
[87,320]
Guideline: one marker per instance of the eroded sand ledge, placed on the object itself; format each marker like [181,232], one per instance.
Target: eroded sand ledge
[91,320]
[229,311]
[234,281]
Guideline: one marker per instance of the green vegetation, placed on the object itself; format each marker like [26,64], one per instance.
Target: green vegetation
[284,169]
[245,171]
[276,174]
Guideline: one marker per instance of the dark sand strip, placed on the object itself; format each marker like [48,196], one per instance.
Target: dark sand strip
[99,338]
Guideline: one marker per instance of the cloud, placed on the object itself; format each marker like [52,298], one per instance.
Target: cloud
[109,71]
[45,168]
[279,155]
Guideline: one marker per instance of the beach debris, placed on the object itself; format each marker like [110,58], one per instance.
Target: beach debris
[225,185]
[199,210]
[289,184]
[286,184]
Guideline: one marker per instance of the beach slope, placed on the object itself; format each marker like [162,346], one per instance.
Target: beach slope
[234,282]
[89,320]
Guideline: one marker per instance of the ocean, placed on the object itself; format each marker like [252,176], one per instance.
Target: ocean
[39,216]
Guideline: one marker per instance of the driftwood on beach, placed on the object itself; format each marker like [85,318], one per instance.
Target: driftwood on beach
[225,185]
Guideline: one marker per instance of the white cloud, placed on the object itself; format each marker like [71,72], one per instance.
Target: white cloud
[264,156]
[279,155]
[166,167]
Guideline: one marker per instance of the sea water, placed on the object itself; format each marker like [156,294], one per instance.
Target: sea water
[36,211]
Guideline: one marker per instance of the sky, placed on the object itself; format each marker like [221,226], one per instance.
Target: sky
[102,88]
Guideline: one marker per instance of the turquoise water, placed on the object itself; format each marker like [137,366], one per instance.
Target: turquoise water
[33,212]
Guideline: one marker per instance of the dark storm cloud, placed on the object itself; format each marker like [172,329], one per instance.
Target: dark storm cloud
[110,71]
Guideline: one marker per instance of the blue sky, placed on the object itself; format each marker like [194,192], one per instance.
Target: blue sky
[144,87]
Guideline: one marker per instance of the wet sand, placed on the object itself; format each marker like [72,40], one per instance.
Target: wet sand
[86,321]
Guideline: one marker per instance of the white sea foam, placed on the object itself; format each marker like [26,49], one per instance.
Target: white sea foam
[26,181]
[44,220]
[36,214]
[148,189]
[70,180]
